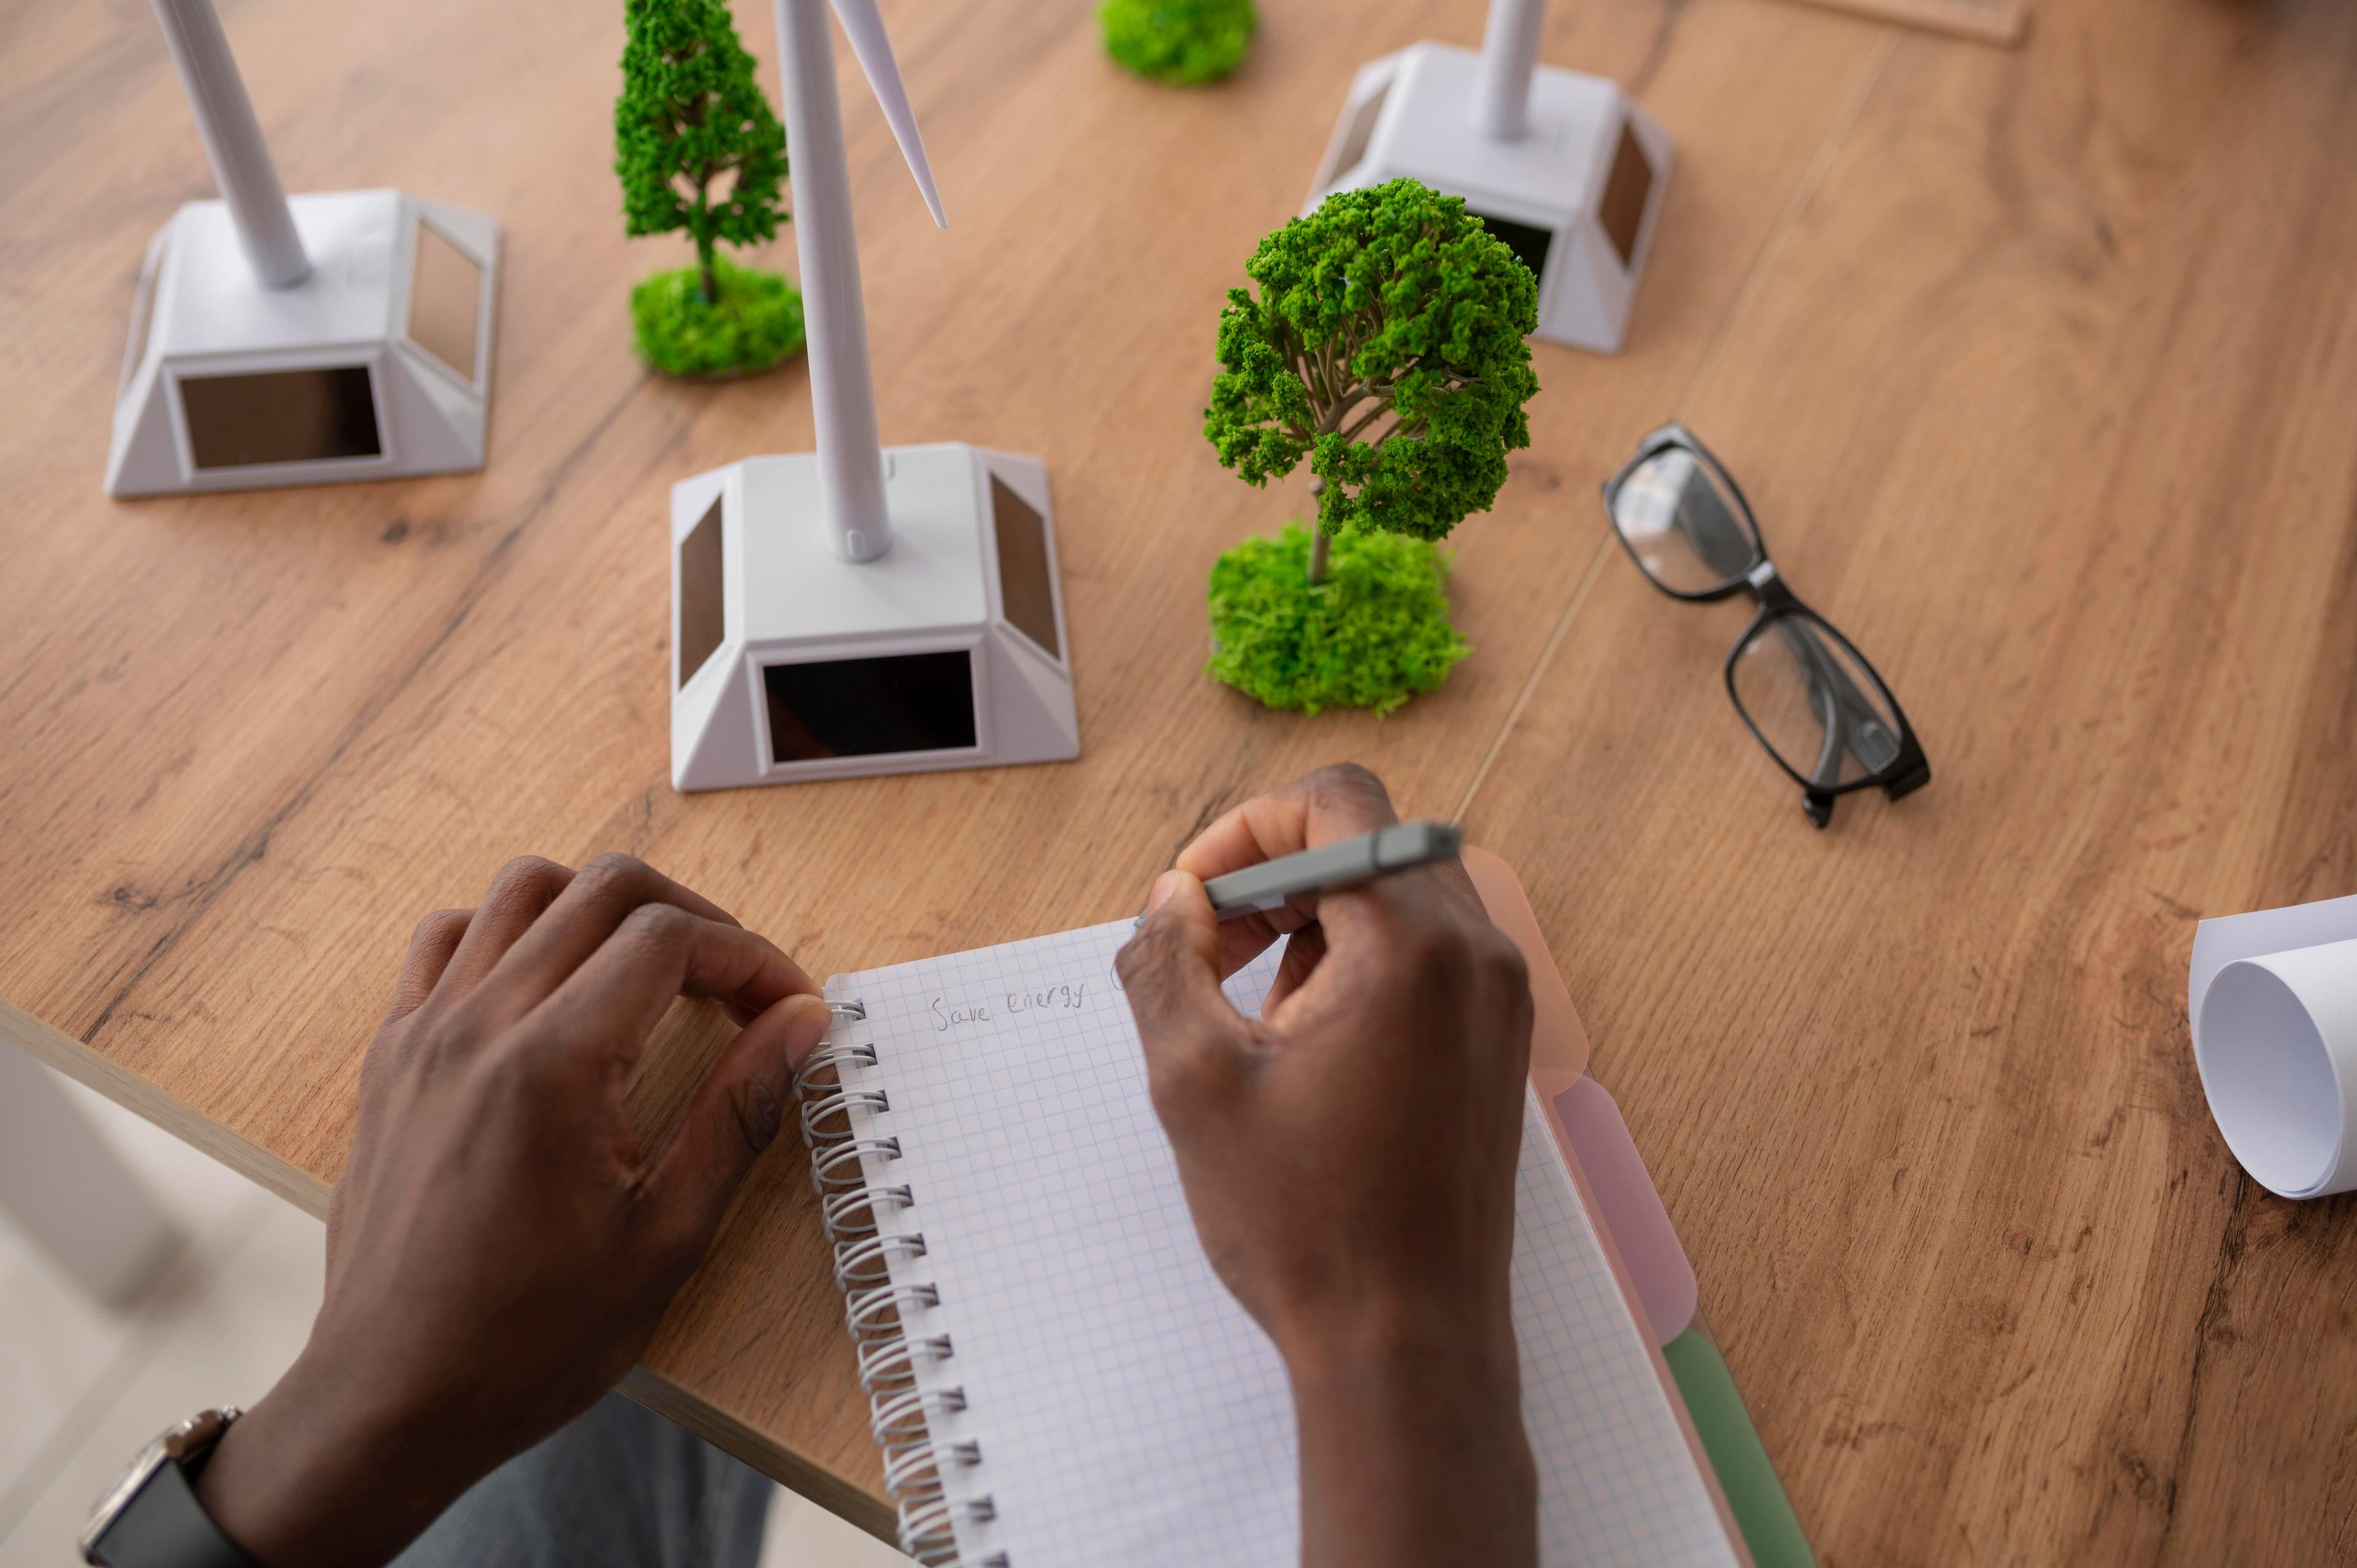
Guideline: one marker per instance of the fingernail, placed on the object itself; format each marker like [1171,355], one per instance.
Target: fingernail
[1164,885]
[806,1024]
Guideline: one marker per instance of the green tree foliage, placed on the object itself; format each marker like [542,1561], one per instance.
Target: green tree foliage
[1386,347]
[1187,42]
[691,112]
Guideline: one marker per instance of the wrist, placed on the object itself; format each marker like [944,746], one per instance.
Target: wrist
[1394,1338]
[318,1476]
[1394,1367]
[1411,1442]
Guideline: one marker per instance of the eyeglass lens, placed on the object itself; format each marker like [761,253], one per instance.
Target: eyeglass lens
[1814,704]
[1685,528]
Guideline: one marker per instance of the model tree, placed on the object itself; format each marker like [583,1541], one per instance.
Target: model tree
[698,149]
[1187,42]
[1387,347]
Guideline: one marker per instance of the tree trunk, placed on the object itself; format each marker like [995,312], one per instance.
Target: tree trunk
[699,223]
[1321,546]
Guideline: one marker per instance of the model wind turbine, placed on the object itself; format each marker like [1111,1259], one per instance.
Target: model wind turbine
[1563,167]
[861,609]
[339,336]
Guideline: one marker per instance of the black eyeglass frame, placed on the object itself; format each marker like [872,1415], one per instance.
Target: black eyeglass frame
[1907,772]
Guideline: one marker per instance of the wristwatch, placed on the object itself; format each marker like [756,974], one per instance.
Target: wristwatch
[151,1519]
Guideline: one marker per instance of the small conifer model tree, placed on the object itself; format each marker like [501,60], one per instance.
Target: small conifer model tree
[698,149]
[1386,347]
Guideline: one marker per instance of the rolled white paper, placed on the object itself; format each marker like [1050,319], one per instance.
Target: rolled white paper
[2272,998]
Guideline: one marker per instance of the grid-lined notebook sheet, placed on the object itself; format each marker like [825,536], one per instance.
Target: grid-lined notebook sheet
[1103,1399]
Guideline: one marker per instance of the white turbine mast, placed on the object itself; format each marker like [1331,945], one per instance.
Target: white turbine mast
[834,314]
[1510,57]
[233,144]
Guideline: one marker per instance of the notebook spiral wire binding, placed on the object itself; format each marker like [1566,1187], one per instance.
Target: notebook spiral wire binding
[856,1207]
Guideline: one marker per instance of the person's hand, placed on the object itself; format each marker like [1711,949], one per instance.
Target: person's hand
[1349,1160]
[500,1245]
[1353,1147]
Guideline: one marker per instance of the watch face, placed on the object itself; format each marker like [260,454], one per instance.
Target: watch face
[189,1440]
[118,1497]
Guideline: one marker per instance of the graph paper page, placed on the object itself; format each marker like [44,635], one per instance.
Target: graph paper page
[1126,1408]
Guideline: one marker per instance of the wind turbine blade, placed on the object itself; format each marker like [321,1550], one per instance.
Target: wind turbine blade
[865,28]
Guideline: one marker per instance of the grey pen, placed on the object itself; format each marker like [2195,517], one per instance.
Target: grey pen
[1331,867]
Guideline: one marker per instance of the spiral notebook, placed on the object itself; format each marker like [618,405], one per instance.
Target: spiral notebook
[1059,1378]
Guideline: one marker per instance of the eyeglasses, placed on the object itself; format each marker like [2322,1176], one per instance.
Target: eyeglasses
[1806,693]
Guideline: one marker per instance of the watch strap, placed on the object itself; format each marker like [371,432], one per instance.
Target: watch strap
[166,1527]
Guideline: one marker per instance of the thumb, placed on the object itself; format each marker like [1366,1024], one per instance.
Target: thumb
[1170,971]
[737,1112]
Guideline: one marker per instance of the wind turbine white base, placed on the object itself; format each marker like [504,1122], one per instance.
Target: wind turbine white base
[375,365]
[1577,196]
[791,663]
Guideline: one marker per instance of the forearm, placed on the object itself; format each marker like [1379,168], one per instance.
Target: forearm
[1413,1451]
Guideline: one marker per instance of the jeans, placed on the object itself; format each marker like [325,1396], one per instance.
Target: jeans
[621,1487]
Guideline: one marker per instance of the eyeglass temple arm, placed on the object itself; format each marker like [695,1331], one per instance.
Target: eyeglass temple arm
[1817,801]
[1713,531]
[1848,716]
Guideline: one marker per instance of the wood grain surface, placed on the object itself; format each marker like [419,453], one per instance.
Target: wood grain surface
[2039,365]
[1989,21]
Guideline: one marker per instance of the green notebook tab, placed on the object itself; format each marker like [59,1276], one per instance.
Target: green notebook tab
[1762,1510]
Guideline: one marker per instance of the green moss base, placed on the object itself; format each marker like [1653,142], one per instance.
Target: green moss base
[754,325]
[1187,42]
[1374,635]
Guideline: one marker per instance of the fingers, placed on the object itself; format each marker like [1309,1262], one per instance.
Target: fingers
[659,951]
[1400,943]
[576,923]
[735,1114]
[430,946]
[1170,972]
[1382,914]
[1338,802]
[1304,950]
[1335,802]
[517,896]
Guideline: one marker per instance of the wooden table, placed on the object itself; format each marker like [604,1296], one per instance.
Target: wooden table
[2040,366]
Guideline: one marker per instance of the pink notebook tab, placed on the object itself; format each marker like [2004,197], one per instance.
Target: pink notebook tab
[1589,1119]
[1633,1209]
